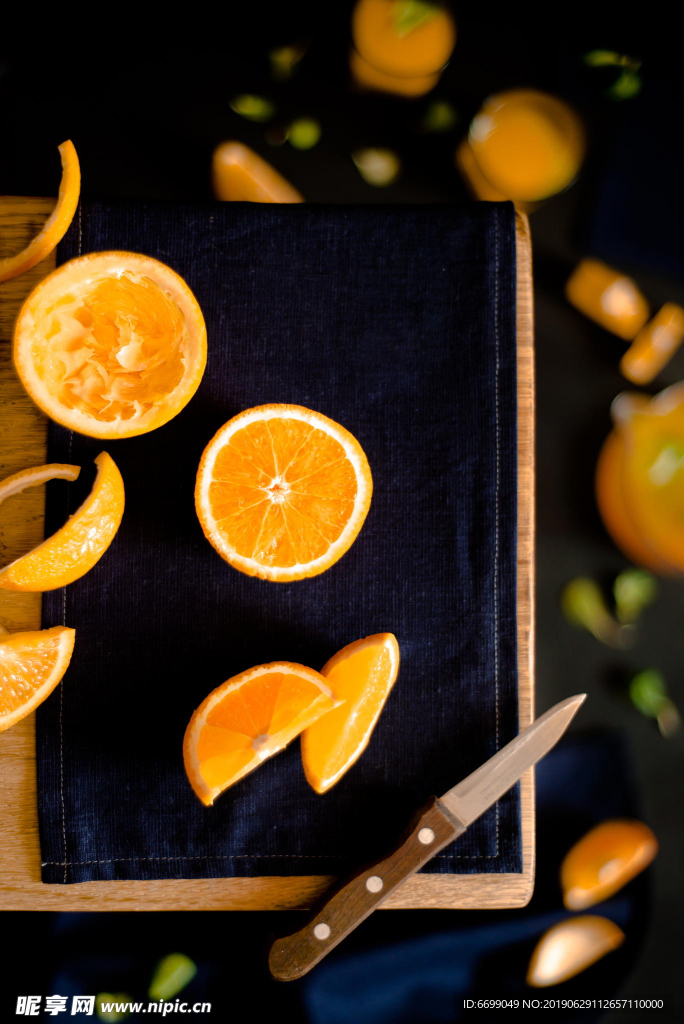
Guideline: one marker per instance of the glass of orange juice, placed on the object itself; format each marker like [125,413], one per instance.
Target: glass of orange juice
[401,46]
[523,145]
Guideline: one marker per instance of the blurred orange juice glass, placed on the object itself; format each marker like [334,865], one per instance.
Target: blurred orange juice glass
[525,144]
[401,46]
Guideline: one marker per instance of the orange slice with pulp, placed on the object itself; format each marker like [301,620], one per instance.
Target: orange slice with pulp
[282,492]
[58,222]
[75,548]
[248,718]
[31,665]
[361,675]
[111,344]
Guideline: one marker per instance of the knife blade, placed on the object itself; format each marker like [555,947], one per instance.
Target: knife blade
[437,823]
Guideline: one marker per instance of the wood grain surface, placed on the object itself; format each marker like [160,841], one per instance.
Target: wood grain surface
[23,444]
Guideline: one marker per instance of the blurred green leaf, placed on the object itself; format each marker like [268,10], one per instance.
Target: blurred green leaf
[583,604]
[602,58]
[609,58]
[304,133]
[111,1016]
[379,167]
[648,692]
[284,61]
[634,590]
[254,108]
[440,117]
[410,14]
[171,975]
[626,86]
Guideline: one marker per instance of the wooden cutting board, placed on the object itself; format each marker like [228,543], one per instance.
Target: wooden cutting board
[23,432]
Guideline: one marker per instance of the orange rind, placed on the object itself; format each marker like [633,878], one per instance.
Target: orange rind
[57,223]
[111,344]
[74,549]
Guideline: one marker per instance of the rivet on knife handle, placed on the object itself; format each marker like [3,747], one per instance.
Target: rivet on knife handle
[357,897]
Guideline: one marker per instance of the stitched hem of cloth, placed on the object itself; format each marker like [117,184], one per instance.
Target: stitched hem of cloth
[66,863]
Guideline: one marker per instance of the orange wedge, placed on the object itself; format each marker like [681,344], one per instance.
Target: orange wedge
[58,222]
[570,947]
[239,174]
[282,492]
[31,665]
[605,859]
[111,344]
[361,676]
[75,548]
[247,719]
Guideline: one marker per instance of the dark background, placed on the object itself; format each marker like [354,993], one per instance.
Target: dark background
[145,118]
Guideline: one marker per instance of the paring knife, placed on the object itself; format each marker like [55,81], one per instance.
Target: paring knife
[436,825]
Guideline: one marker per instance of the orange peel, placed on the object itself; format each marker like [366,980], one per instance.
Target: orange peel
[75,548]
[57,224]
[111,344]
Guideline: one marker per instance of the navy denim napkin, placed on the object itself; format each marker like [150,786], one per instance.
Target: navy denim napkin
[399,323]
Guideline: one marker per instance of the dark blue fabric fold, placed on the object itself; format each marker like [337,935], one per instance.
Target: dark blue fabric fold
[399,323]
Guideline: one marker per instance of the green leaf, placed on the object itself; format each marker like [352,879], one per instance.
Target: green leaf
[440,117]
[304,133]
[254,108]
[284,61]
[602,58]
[634,590]
[171,975]
[583,604]
[111,1016]
[648,692]
[410,14]
[626,86]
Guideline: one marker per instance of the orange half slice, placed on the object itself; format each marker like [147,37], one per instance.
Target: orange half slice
[282,492]
[75,548]
[361,676]
[247,719]
[57,224]
[31,665]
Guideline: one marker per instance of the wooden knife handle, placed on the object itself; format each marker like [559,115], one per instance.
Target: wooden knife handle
[351,902]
